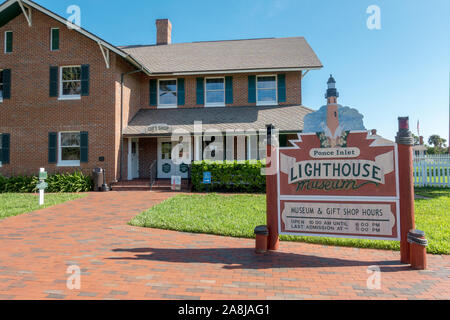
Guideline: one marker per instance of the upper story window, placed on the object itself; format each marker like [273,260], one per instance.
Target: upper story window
[215,92]
[69,149]
[1,85]
[167,93]
[54,39]
[70,84]
[8,41]
[266,90]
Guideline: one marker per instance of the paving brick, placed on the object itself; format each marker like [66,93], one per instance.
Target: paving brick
[161,264]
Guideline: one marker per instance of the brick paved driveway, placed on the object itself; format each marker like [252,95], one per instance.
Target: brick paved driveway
[122,262]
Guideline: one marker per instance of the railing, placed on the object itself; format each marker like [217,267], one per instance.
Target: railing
[432,171]
[153,173]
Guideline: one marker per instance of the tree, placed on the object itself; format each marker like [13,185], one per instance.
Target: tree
[437,141]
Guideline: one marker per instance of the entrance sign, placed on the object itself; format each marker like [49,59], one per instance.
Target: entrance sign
[339,180]
[345,191]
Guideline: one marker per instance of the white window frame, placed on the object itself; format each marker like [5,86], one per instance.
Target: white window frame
[1,96]
[215,104]
[4,42]
[67,163]
[267,103]
[67,97]
[51,38]
[168,106]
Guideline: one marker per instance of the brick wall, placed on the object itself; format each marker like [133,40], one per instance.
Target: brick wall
[240,89]
[31,114]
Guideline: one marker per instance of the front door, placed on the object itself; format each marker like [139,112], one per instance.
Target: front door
[133,157]
[166,167]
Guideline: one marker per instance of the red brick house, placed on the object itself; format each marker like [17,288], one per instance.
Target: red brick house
[72,101]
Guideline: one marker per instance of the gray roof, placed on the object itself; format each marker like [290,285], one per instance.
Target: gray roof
[154,122]
[255,54]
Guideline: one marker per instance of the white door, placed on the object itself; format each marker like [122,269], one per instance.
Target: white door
[166,167]
[133,159]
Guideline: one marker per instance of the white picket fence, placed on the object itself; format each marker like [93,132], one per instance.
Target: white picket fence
[432,171]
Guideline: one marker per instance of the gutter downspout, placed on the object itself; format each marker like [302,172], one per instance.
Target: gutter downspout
[122,77]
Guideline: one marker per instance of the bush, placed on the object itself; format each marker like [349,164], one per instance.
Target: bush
[229,176]
[57,183]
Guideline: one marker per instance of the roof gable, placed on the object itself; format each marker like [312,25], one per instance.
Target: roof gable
[9,13]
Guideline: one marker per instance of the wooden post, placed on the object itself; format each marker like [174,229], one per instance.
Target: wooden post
[405,159]
[272,191]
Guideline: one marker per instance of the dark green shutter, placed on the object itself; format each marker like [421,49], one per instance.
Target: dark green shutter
[251,89]
[180,92]
[55,39]
[5,148]
[228,90]
[8,42]
[283,140]
[281,88]
[153,92]
[54,81]
[52,147]
[84,138]
[7,84]
[85,80]
[200,91]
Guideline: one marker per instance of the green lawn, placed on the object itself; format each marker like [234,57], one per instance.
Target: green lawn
[238,215]
[13,204]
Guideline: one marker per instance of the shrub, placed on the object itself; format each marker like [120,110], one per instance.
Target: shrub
[57,183]
[229,176]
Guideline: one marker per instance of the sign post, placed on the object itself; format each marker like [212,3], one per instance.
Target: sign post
[405,142]
[271,194]
[42,185]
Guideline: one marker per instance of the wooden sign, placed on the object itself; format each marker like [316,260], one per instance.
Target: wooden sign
[341,186]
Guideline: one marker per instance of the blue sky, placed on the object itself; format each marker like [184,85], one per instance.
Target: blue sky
[400,70]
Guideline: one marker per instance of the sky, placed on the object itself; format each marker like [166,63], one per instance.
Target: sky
[399,69]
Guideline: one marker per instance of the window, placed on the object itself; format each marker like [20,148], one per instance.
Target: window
[70,85]
[1,150]
[8,41]
[215,92]
[69,149]
[266,89]
[54,39]
[167,96]
[166,150]
[1,85]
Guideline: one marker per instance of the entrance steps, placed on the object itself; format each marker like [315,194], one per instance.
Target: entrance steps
[162,185]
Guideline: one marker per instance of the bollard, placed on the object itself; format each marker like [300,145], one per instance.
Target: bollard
[262,235]
[418,249]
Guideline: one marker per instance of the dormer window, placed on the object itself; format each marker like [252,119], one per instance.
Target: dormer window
[167,93]
[266,89]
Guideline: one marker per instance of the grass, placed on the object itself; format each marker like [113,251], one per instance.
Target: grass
[13,204]
[237,216]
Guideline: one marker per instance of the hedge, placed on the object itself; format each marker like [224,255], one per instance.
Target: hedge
[57,183]
[229,176]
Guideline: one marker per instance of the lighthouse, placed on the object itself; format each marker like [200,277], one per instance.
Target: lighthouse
[332,107]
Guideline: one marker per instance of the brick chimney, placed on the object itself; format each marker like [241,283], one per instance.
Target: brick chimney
[163,32]
[421,140]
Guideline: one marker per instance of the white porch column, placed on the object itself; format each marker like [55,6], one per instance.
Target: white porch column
[197,148]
